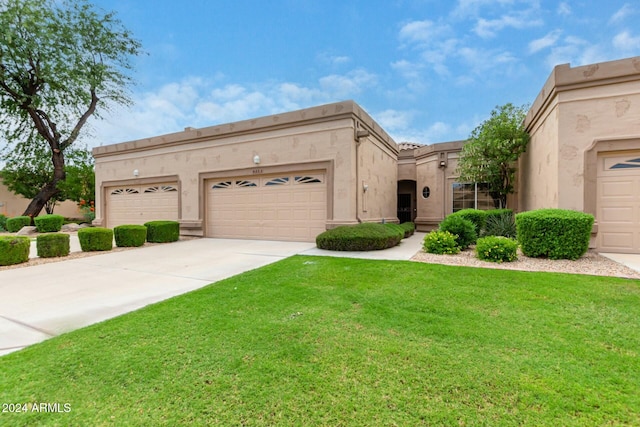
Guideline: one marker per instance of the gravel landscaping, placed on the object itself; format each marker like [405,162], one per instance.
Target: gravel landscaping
[591,263]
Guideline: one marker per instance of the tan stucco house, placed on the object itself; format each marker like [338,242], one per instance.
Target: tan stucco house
[291,176]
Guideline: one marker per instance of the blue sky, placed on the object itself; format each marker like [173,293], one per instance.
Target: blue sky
[427,70]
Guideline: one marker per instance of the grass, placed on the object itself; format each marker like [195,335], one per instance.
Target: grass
[345,342]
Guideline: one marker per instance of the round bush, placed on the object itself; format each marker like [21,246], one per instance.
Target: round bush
[360,237]
[162,231]
[16,223]
[14,249]
[48,223]
[497,249]
[476,216]
[441,243]
[52,245]
[463,229]
[130,235]
[95,239]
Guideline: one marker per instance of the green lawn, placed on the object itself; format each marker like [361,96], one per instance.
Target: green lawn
[345,342]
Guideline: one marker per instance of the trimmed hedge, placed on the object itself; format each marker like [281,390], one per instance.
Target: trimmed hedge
[53,245]
[409,228]
[463,229]
[441,243]
[397,229]
[48,223]
[162,231]
[497,249]
[14,249]
[554,233]
[476,216]
[360,237]
[16,223]
[130,235]
[3,222]
[95,239]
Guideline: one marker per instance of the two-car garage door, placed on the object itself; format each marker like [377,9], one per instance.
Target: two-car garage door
[618,211]
[286,206]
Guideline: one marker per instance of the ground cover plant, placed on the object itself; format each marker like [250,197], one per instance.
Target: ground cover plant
[346,342]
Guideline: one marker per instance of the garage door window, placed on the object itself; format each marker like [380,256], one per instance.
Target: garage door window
[627,164]
[307,180]
[120,191]
[278,181]
[223,184]
[161,189]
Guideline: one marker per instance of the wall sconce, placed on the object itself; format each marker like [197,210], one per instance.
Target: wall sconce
[256,159]
[365,187]
[443,163]
[136,172]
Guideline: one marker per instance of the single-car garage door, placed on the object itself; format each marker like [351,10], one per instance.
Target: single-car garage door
[289,206]
[618,211]
[137,204]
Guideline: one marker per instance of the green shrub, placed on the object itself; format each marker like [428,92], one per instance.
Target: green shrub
[95,239]
[500,222]
[409,228]
[497,249]
[360,237]
[463,229]
[130,235]
[14,249]
[476,216]
[16,223]
[48,223]
[52,245]
[397,229]
[3,222]
[441,243]
[162,231]
[554,233]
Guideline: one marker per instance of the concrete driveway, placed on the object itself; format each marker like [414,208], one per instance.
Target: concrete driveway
[42,301]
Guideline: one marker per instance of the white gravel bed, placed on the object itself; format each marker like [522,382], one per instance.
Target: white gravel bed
[591,263]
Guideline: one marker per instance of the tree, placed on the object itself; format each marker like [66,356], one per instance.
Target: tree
[28,168]
[61,62]
[490,153]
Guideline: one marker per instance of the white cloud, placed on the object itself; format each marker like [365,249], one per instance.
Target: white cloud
[564,9]
[347,85]
[621,14]
[422,33]
[333,60]
[544,42]
[392,120]
[465,8]
[626,43]
[521,20]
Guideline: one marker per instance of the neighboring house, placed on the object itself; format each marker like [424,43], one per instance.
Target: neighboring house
[12,205]
[291,176]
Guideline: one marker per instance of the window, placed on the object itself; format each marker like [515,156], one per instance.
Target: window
[628,164]
[426,192]
[469,195]
[278,181]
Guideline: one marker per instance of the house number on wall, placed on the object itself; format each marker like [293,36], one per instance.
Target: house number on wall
[255,171]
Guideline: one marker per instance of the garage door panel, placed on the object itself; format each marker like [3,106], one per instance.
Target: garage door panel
[140,204]
[274,209]
[618,203]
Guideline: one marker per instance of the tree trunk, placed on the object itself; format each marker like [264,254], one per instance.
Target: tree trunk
[49,190]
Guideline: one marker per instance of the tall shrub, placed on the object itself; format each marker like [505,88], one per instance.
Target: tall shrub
[554,233]
[463,229]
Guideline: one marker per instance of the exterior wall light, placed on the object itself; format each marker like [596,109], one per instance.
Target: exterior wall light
[136,172]
[256,159]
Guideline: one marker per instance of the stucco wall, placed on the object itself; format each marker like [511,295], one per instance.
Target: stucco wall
[576,108]
[12,205]
[378,173]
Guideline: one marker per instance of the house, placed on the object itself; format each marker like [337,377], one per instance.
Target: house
[13,205]
[291,176]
